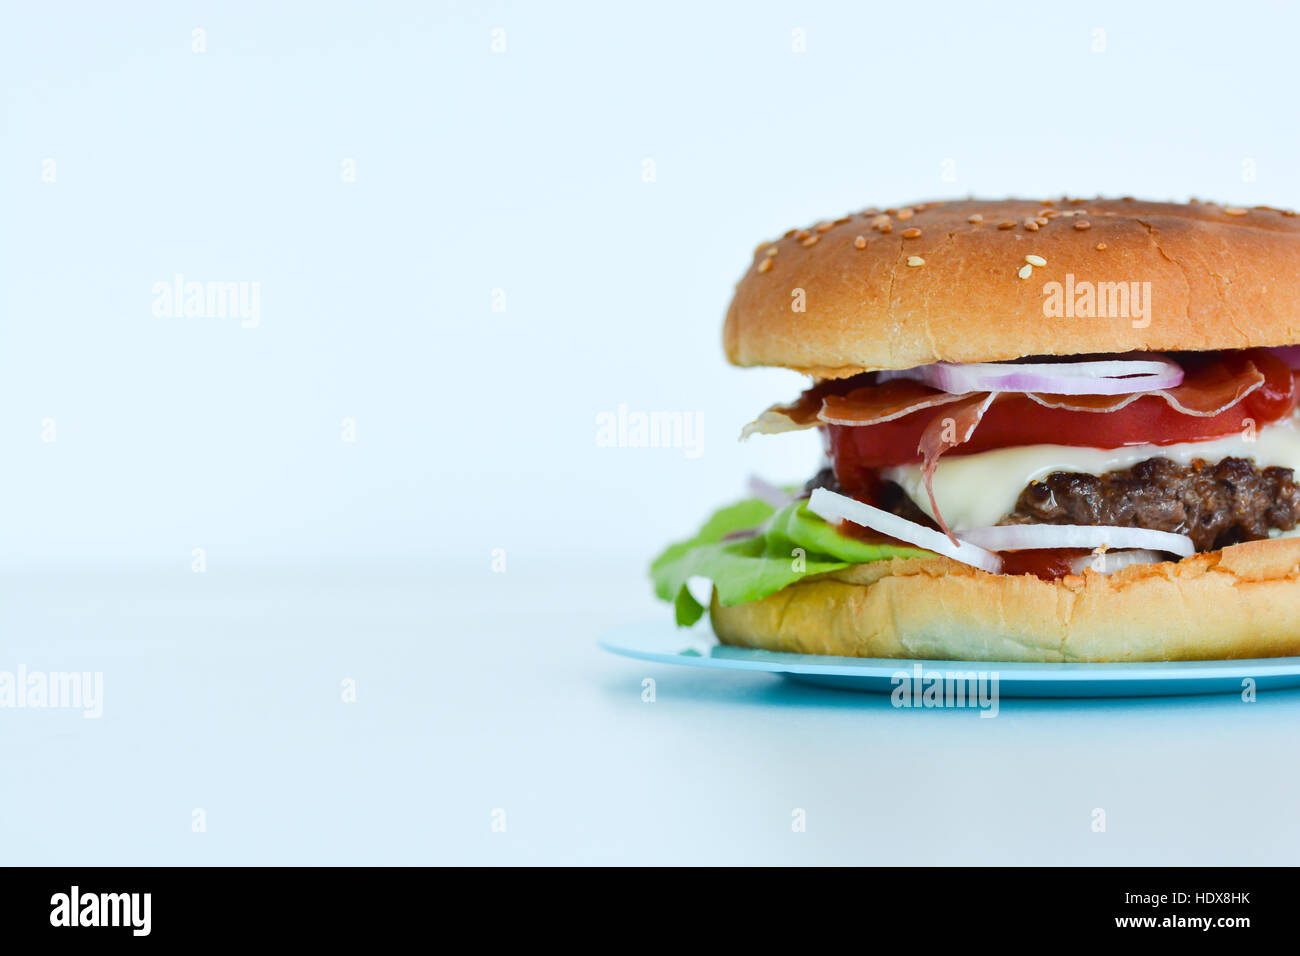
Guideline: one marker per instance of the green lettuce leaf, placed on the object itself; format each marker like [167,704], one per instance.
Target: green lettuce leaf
[790,544]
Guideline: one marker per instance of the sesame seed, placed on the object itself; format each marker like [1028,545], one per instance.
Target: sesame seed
[1082,224]
[1101,247]
[1234,210]
[915,261]
[841,221]
[801,235]
[1006,225]
[1025,271]
[911,233]
[975,218]
[765,265]
[810,241]
[885,227]
[823,226]
[1042,220]
[860,242]
[772,250]
[1031,225]
[1036,260]
[905,213]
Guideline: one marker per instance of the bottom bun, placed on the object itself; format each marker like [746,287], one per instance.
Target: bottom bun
[1243,601]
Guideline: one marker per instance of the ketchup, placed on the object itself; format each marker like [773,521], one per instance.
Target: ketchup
[1046,563]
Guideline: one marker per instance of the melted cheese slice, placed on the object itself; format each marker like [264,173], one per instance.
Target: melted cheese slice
[975,491]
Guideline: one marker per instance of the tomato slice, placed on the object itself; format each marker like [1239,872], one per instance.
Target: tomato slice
[1016,420]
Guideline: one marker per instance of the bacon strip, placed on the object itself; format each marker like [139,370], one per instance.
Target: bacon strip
[946,431]
[792,416]
[1205,392]
[864,405]
[777,419]
[882,403]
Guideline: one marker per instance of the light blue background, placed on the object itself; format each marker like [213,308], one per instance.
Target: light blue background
[371,560]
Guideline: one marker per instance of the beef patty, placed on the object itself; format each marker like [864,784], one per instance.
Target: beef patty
[1214,504]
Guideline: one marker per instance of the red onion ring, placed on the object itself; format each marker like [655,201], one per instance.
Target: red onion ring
[836,507]
[1096,377]
[775,496]
[1290,354]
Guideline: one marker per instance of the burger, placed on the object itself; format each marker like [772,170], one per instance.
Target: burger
[1056,430]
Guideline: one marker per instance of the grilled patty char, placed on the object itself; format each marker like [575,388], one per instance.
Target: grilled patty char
[1214,504]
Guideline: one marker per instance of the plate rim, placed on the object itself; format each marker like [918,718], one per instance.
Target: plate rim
[615,641]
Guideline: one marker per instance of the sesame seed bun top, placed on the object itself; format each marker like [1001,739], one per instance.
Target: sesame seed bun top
[981,281]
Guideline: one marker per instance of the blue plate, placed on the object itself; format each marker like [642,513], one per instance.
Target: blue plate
[664,643]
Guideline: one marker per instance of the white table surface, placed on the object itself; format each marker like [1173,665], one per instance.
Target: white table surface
[479,691]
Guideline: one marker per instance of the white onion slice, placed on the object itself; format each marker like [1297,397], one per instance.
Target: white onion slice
[775,496]
[1023,537]
[1108,562]
[1103,377]
[836,507]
